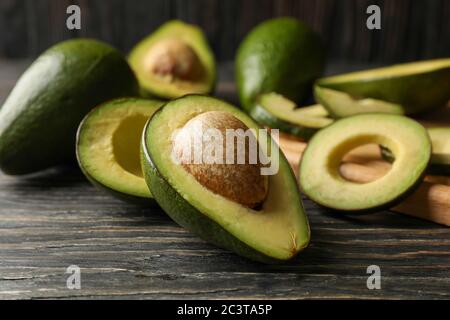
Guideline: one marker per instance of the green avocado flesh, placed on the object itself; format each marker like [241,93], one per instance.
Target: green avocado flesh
[108,146]
[319,170]
[39,120]
[277,231]
[275,111]
[340,104]
[281,55]
[416,87]
[440,157]
[173,61]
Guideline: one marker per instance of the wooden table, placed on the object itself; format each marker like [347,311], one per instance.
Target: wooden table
[55,219]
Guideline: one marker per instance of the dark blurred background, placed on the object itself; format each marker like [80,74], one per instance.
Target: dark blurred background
[411,29]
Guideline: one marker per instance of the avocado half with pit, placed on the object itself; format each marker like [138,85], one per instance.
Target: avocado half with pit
[275,111]
[319,174]
[232,205]
[408,88]
[39,119]
[108,147]
[440,157]
[281,55]
[173,61]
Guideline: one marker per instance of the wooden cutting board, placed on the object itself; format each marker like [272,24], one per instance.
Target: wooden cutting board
[431,201]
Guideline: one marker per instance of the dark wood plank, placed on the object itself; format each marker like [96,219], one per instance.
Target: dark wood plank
[411,30]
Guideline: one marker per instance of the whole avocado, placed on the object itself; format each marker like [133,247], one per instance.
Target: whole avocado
[39,119]
[281,55]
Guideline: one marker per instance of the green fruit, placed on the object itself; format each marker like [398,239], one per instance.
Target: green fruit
[39,120]
[275,231]
[319,169]
[280,55]
[275,111]
[440,157]
[173,61]
[108,147]
[416,87]
[340,104]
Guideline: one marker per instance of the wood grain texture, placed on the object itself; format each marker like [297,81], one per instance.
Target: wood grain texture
[411,30]
[54,219]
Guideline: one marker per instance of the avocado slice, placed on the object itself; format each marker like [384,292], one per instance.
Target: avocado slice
[281,55]
[39,119]
[173,61]
[417,86]
[319,169]
[108,147]
[440,157]
[275,111]
[340,104]
[275,231]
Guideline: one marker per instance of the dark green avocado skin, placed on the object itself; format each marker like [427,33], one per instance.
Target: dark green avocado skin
[39,120]
[281,55]
[183,213]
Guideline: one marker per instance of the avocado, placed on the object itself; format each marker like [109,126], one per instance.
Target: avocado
[39,119]
[340,104]
[440,157]
[319,168]
[280,55]
[417,87]
[173,61]
[108,147]
[275,111]
[269,226]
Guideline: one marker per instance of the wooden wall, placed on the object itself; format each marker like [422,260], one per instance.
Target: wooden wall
[411,29]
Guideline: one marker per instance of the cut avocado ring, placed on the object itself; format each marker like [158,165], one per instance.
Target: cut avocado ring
[174,61]
[275,111]
[275,231]
[319,169]
[108,147]
[440,157]
[416,87]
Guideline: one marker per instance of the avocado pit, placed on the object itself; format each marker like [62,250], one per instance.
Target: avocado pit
[240,182]
[173,59]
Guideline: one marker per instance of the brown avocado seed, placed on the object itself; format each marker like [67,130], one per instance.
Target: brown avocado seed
[173,59]
[240,182]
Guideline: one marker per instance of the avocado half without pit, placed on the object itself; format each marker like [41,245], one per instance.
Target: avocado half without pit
[276,111]
[319,169]
[108,147]
[408,88]
[173,61]
[230,204]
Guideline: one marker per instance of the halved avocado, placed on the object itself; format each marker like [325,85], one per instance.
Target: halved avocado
[319,169]
[108,147]
[275,231]
[440,157]
[340,104]
[417,87]
[174,61]
[275,111]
